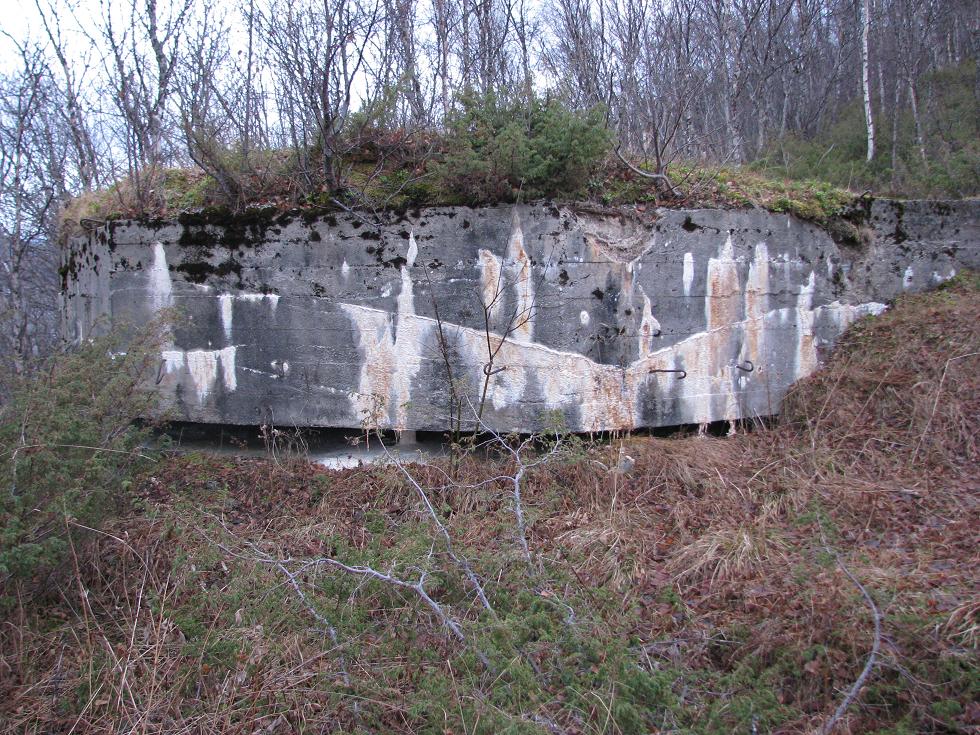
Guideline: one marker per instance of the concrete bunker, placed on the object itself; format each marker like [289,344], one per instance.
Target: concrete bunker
[611,321]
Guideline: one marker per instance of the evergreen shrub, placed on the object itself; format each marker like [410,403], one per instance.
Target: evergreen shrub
[69,442]
[499,151]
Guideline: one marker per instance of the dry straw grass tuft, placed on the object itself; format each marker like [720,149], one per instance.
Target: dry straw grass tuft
[727,552]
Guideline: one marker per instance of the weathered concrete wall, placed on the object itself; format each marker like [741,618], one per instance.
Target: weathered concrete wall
[333,322]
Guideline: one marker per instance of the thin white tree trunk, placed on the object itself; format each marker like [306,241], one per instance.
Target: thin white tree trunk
[919,138]
[895,121]
[865,81]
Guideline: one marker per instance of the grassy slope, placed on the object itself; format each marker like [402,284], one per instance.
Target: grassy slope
[703,582]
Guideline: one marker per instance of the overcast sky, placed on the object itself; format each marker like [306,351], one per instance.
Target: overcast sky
[21,20]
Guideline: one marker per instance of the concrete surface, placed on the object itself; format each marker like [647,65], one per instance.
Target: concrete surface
[579,316]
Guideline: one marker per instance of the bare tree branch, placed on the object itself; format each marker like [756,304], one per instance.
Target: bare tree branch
[855,690]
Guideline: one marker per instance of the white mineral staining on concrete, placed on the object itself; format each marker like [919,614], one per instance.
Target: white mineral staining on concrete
[757,311]
[225,308]
[787,265]
[844,315]
[406,298]
[627,287]
[391,353]
[227,357]
[806,350]
[838,314]
[413,250]
[505,388]
[695,394]
[561,380]
[519,270]
[491,283]
[633,267]
[850,313]
[600,396]
[688,273]
[622,241]
[722,304]
[649,327]
[173,360]
[201,367]
[739,326]
[254,298]
[757,285]
[609,397]
[723,308]
[161,287]
[756,306]
[637,262]
[389,363]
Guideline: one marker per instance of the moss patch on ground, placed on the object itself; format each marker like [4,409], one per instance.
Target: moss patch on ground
[733,187]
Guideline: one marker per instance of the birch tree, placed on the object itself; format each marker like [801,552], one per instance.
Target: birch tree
[33,152]
[141,44]
[865,77]
[316,53]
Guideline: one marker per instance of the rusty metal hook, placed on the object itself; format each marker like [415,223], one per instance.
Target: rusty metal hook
[488,372]
[749,369]
[683,373]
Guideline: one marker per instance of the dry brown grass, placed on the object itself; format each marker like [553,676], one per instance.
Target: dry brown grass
[727,552]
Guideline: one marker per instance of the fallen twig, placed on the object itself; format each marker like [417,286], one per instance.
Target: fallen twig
[366,572]
[935,405]
[872,657]
[518,476]
[461,562]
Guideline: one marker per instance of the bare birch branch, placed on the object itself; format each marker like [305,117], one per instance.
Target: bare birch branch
[855,689]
